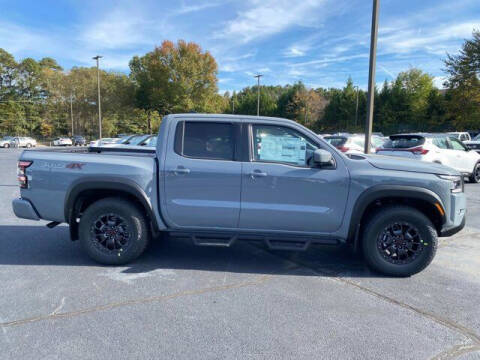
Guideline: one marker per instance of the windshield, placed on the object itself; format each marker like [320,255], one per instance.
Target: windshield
[477,138]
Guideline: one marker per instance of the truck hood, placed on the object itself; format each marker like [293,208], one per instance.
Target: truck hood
[395,163]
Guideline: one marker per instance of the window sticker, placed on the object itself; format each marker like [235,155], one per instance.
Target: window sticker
[282,149]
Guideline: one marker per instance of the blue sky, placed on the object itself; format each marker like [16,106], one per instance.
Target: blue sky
[320,42]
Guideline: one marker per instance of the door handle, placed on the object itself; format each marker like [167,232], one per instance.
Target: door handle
[257,173]
[181,170]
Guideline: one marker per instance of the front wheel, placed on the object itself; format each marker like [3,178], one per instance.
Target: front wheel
[6,146]
[399,241]
[475,177]
[29,146]
[113,231]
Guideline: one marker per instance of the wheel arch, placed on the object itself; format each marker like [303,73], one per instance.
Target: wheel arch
[86,191]
[420,198]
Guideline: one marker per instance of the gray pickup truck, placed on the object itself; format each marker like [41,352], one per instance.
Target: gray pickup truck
[217,179]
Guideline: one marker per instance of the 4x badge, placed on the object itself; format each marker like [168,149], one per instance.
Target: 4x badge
[73,166]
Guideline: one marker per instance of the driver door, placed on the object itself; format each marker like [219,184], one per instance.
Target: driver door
[282,191]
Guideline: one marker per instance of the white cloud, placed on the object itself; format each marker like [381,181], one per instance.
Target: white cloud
[436,40]
[185,9]
[17,39]
[267,17]
[294,52]
[119,29]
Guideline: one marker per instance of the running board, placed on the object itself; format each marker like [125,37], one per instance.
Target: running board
[280,242]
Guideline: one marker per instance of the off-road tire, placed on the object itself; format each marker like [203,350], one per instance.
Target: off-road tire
[137,226]
[381,219]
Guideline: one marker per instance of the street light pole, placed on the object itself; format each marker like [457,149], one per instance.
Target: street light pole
[99,102]
[371,76]
[258,76]
[233,103]
[71,110]
[356,107]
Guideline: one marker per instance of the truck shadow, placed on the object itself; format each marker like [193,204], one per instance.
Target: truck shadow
[39,246]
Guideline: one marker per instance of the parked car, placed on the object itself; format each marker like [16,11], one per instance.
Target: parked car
[134,140]
[62,141]
[23,141]
[5,141]
[462,136]
[79,140]
[103,141]
[437,148]
[473,144]
[218,179]
[353,144]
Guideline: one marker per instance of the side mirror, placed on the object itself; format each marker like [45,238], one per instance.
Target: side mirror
[322,157]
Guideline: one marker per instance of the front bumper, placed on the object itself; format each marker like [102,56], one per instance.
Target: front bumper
[456,217]
[24,209]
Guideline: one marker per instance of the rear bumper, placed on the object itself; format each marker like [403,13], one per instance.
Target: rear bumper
[24,209]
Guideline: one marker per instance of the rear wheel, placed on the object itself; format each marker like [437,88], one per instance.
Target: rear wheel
[113,231]
[6,145]
[29,145]
[475,177]
[399,241]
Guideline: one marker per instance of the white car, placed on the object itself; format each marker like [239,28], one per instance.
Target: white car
[462,136]
[62,141]
[438,148]
[23,141]
[5,141]
[103,141]
[352,144]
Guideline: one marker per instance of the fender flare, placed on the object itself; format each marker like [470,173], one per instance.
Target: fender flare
[388,191]
[110,183]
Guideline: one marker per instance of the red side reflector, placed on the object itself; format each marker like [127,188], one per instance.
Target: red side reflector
[343,148]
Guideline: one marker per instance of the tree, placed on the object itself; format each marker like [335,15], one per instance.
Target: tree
[176,78]
[463,84]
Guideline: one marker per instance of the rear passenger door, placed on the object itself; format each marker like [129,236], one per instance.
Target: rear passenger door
[202,176]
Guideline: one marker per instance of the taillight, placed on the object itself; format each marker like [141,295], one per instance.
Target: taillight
[343,148]
[418,150]
[22,176]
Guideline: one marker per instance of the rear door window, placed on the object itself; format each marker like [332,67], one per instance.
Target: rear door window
[208,140]
[404,142]
[441,143]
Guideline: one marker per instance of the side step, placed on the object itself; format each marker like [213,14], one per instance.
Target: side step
[274,243]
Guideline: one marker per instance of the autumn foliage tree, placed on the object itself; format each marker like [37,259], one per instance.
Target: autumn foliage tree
[176,78]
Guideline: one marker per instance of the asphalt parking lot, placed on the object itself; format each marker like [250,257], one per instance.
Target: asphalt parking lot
[184,302]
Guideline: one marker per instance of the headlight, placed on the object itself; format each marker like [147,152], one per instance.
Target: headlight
[456,182]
